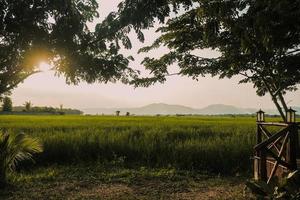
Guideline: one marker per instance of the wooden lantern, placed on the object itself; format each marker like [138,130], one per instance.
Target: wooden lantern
[260,116]
[290,116]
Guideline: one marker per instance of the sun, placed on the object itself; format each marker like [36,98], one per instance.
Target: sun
[44,66]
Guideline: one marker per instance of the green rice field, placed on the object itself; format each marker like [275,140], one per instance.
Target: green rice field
[221,145]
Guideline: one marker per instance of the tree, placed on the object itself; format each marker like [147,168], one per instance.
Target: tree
[7,105]
[13,149]
[118,113]
[258,40]
[28,106]
[56,32]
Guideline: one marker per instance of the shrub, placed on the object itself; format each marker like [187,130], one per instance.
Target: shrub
[13,149]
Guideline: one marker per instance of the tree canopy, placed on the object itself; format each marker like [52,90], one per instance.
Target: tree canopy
[55,31]
[259,40]
[7,105]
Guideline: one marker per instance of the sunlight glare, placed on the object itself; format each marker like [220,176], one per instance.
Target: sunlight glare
[44,66]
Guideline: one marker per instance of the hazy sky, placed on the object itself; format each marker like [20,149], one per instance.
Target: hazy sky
[46,89]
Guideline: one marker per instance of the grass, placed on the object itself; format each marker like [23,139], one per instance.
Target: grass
[98,181]
[220,145]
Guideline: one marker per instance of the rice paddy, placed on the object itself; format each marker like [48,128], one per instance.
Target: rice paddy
[221,145]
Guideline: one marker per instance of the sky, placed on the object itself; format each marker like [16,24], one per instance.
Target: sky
[45,89]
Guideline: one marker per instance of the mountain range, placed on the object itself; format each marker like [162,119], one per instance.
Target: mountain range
[167,109]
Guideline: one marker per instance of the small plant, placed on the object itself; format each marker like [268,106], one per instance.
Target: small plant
[13,149]
[28,106]
[288,189]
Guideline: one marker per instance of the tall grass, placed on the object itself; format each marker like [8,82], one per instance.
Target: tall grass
[213,144]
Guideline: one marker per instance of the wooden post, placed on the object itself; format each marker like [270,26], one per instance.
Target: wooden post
[257,159]
[261,154]
[258,134]
[263,165]
[297,147]
[293,147]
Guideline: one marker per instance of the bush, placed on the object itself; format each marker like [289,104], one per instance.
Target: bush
[13,149]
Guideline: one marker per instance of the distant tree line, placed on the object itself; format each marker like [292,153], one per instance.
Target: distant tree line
[48,109]
[7,107]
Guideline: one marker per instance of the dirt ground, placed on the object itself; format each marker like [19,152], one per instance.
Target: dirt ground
[111,183]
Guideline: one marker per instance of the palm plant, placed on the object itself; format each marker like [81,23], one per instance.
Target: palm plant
[28,105]
[13,149]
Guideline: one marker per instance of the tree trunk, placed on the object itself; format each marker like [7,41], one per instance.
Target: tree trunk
[282,100]
[274,99]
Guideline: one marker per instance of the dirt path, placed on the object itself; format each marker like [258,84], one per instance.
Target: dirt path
[99,183]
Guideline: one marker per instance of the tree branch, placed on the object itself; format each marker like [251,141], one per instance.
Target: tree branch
[245,74]
[173,74]
[19,81]
[291,52]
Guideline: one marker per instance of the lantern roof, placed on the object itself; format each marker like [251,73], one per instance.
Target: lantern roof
[260,111]
[291,110]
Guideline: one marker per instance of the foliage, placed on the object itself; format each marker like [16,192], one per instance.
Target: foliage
[13,149]
[46,110]
[259,40]
[7,104]
[191,143]
[55,32]
[28,106]
[289,189]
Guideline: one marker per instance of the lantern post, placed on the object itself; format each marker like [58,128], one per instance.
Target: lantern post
[260,116]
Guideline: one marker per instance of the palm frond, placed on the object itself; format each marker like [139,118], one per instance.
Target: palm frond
[15,148]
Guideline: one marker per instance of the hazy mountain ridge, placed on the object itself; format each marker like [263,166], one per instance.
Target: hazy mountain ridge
[167,109]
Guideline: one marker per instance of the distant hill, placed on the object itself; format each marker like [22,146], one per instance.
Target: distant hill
[151,109]
[166,109]
[217,109]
